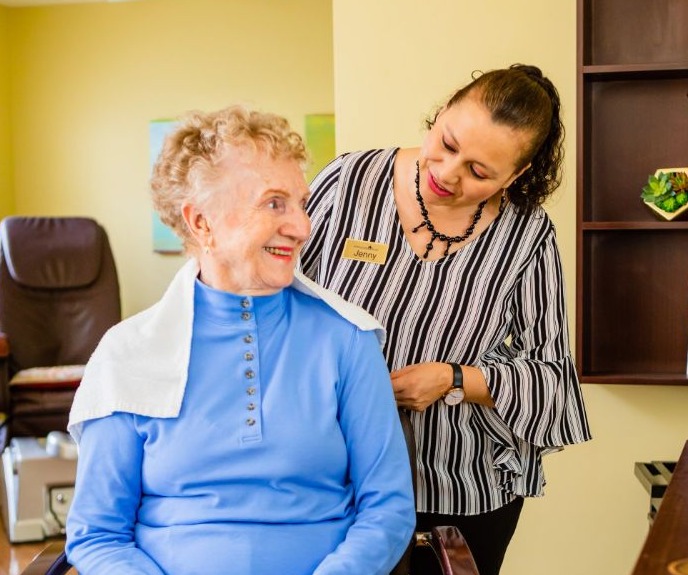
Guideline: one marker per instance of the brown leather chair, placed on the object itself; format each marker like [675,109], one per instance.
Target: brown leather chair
[51,561]
[59,293]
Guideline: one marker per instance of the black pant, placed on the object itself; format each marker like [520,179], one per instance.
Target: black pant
[487,535]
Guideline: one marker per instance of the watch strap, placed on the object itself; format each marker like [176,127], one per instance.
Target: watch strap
[458,376]
[456,394]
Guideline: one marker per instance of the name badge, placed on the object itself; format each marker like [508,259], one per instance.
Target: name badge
[364,251]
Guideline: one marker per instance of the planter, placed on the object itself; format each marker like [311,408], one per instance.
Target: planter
[667,215]
[660,212]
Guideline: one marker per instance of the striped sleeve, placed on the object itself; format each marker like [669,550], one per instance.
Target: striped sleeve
[536,392]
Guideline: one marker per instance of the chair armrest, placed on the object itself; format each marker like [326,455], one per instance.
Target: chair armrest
[4,345]
[452,551]
[4,372]
[50,561]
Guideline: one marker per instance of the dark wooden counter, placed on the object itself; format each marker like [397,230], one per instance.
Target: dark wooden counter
[665,551]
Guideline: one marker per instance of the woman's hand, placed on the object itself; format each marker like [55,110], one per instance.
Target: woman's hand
[417,386]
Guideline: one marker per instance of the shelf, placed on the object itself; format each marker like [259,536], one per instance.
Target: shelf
[633,314]
[630,71]
[622,146]
[633,32]
[635,378]
[632,265]
[634,226]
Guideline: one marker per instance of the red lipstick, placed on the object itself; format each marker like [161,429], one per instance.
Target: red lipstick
[436,188]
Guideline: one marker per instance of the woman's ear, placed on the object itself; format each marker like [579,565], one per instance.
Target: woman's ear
[516,175]
[197,223]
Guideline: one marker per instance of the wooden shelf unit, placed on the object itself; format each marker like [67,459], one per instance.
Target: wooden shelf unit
[632,118]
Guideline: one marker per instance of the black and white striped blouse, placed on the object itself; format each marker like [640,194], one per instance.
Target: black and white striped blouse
[497,303]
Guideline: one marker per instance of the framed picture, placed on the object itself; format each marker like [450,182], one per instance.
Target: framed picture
[320,141]
[165,241]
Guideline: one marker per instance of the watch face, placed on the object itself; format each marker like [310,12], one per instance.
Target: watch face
[454,397]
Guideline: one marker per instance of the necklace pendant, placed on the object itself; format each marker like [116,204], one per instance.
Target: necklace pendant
[428,247]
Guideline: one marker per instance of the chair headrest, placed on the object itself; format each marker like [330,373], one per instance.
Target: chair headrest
[52,253]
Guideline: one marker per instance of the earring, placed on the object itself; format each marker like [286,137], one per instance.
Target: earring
[208,243]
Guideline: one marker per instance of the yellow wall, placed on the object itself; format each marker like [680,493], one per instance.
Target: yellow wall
[6,198]
[88,78]
[85,80]
[391,68]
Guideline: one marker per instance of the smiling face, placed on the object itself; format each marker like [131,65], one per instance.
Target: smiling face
[255,225]
[467,158]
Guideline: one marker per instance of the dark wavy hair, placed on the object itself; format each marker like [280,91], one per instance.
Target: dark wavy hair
[522,98]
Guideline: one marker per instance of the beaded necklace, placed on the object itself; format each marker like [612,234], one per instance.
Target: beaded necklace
[431,228]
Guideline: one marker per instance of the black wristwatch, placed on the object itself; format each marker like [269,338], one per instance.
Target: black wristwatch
[456,394]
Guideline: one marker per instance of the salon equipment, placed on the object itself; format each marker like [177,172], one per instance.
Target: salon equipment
[38,476]
[59,293]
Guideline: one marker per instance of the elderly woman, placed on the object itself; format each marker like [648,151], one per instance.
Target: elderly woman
[246,423]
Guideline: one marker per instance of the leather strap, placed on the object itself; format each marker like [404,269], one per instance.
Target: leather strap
[458,376]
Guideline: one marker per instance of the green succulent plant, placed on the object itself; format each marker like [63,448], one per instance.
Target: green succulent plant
[657,189]
[667,190]
[679,181]
[669,204]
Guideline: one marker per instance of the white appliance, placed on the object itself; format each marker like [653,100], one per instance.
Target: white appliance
[38,476]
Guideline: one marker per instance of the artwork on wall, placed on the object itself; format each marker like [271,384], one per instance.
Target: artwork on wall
[320,140]
[165,241]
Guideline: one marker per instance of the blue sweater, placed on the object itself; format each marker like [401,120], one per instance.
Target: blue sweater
[287,456]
